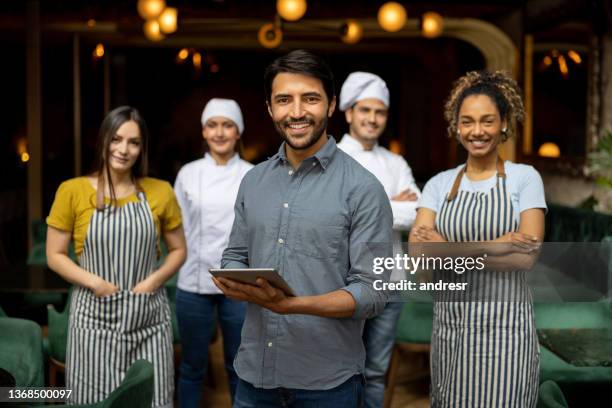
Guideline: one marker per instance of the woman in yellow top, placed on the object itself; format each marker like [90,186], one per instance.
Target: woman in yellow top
[119,311]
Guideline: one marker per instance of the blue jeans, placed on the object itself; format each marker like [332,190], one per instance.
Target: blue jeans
[349,394]
[196,321]
[379,339]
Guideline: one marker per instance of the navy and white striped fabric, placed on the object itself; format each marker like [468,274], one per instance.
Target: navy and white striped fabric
[484,353]
[108,334]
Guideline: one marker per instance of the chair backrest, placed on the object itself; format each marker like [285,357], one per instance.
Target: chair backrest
[58,329]
[551,396]
[136,389]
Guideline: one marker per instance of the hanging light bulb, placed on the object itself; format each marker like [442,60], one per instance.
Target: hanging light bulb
[152,31]
[432,24]
[197,60]
[149,9]
[549,149]
[98,51]
[351,32]
[563,66]
[392,16]
[291,10]
[167,20]
[574,56]
[182,54]
[270,36]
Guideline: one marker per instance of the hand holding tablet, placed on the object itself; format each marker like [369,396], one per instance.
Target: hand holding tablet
[250,275]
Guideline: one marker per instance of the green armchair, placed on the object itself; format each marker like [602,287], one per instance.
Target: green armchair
[135,391]
[21,352]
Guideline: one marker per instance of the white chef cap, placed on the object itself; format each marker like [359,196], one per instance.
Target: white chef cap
[227,108]
[362,85]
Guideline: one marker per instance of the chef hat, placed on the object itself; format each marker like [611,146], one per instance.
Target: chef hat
[362,85]
[227,108]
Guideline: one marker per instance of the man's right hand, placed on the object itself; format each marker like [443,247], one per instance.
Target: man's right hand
[101,287]
[406,195]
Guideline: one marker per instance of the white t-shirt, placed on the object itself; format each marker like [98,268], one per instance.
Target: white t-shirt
[206,193]
[522,181]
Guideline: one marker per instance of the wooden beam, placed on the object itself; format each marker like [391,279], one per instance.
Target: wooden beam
[33,114]
[76,102]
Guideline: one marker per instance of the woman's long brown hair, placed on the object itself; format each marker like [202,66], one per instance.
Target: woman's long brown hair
[111,123]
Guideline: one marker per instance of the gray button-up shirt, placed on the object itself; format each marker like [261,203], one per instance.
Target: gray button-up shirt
[320,226]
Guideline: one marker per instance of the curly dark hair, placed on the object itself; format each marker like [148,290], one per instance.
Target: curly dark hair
[499,86]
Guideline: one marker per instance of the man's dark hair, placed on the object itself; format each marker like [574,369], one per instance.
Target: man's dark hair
[300,62]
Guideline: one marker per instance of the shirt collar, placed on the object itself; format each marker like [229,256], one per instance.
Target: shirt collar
[208,159]
[354,145]
[324,155]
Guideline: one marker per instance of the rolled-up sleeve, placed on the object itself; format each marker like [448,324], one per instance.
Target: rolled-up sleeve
[371,236]
[236,255]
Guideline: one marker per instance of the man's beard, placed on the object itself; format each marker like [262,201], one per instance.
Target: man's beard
[314,137]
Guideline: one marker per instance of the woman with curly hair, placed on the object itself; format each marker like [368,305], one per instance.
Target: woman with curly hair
[484,351]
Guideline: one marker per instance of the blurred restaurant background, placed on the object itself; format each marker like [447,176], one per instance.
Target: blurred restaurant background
[65,64]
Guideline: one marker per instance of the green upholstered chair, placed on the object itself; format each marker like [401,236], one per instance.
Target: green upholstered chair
[135,391]
[413,334]
[21,351]
[57,335]
[551,396]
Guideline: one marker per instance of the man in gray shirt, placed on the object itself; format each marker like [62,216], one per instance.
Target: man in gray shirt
[319,218]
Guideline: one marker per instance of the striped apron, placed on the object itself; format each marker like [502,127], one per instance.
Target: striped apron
[107,334]
[484,354]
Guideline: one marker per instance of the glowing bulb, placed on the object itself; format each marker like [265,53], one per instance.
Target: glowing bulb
[167,20]
[291,10]
[270,36]
[91,23]
[574,56]
[351,32]
[98,51]
[392,16]
[152,31]
[25,157]
[547,61]
[549,149]
[432,24]
[197,60]
[183,54]
[150,9]
[563,66]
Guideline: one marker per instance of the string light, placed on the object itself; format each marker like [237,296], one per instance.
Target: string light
[351,32]
[291,10]
[270,36]
[167,20]
[98,51]
[183,54]
[432,24]
[150,9]
[392,16]
[152,31]
[574,56]
[549,149]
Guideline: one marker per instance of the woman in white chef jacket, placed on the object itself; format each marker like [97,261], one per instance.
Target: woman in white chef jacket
[206,190]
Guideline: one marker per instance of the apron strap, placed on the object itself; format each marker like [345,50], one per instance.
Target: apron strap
[501,173]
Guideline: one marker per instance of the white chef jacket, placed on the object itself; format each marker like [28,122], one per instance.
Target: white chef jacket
[396,176]
[206,193]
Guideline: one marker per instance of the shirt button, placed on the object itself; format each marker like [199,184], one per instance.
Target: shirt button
[286,205]
[270,344]
[314,164]
[281,241]
[291,172]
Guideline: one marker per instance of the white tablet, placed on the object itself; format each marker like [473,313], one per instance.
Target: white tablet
[250,275]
